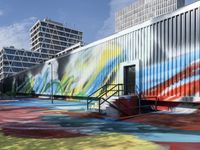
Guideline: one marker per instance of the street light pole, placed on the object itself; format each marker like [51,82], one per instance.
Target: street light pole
[51,81]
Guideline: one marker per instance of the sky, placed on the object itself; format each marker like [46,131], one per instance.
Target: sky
[95,18]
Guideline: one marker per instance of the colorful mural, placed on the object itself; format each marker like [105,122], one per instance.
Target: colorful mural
[77,74]
[84,72]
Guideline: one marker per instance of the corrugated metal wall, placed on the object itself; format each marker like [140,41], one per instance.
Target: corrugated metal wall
[168,49]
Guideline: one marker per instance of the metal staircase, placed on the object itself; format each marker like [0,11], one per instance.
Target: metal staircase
[106,92]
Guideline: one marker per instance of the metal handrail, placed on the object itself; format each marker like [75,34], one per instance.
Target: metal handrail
[110,96]
[97,90]
[105,93]
[156,100]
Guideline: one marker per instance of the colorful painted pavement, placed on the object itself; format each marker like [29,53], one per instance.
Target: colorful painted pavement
[39,124]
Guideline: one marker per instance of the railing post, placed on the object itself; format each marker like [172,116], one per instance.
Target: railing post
[139,103]
[87,105]
[156,103]
[106,90]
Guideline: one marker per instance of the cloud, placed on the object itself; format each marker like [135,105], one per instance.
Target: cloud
[1,13]
[108,27]
[17,34]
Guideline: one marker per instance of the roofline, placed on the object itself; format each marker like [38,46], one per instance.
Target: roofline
[61,25]
[34,25]
[22,50]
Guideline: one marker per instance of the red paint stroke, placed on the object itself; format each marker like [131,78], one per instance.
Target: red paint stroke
[37,131]
[26,122]
[187,89]
[190,122]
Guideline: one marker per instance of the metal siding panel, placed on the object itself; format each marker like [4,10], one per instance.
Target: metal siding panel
[136,45]
[129,47]
[142,58]
[166,56]
[145,67]
[133,45]
[135,52]
[148,61]
[107,55]
[178,63]
[125,49]
[193,33]
[101,63]
[163,55]
[116,61]
[126,45]
[159,59]
[139,43]
[183,44]
[122,46]
[147,57]
[198,46]
[111,57]
[174,53]
[188,50]
[162,50]
[198,41]
[155,75]
[170,55]
[152,57]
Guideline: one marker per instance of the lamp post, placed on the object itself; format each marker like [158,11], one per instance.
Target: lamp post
[51,81]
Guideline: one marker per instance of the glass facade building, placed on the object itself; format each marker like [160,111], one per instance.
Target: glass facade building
[143,10]
[14,60]
[52,37]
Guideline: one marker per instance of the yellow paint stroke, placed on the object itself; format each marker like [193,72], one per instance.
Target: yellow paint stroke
[113,141]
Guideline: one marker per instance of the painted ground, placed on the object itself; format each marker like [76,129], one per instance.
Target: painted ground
[38,124]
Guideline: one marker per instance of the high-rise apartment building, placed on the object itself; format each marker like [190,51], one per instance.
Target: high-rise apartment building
[52,37]
[14,60]
[143,10]
[48,39]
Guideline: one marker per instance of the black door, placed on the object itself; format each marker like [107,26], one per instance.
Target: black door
[129,80]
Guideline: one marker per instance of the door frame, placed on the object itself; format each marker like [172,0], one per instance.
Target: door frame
[127,84]
[137,64]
